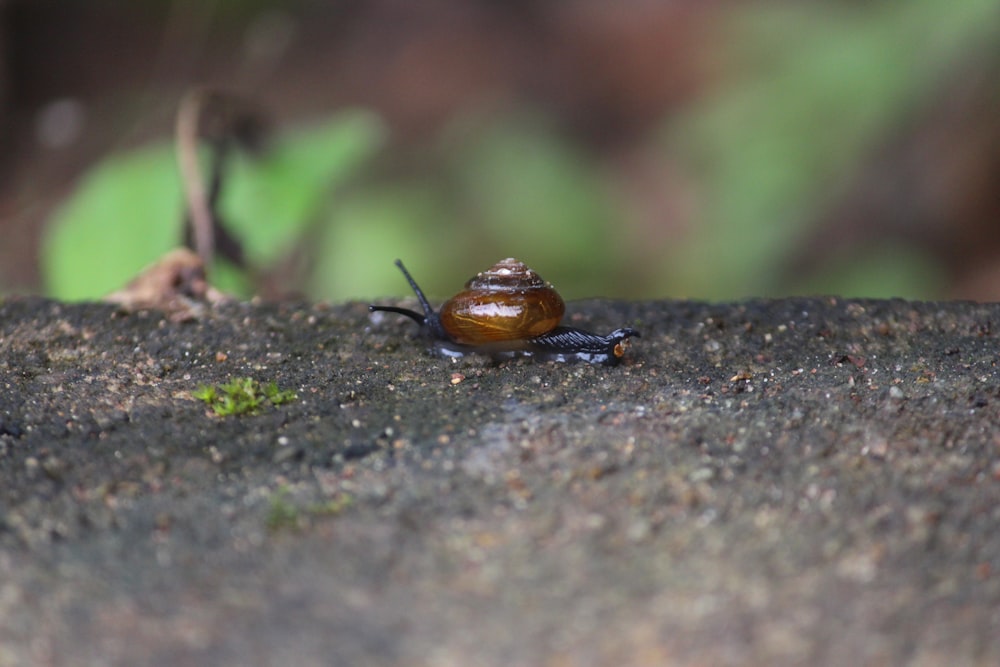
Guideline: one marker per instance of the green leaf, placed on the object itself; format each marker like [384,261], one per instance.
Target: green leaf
[128,211]
[269,203]
[125,214]
[369,228]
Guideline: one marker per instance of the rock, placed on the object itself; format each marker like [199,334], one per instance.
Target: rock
[742,499]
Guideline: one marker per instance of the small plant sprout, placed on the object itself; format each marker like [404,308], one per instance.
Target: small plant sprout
[242,396]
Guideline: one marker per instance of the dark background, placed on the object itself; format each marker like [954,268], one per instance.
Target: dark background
[736,148]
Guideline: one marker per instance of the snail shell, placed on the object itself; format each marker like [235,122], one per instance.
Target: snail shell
[506,302]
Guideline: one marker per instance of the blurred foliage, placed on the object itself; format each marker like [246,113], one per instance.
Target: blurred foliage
[510,187]
[815,88]
[123,216]
[808,92]
[129,210]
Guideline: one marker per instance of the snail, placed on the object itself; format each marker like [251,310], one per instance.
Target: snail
[506,311]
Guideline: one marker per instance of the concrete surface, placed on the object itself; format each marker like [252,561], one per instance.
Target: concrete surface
[790,482]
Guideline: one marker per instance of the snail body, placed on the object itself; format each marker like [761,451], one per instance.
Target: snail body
[509,310]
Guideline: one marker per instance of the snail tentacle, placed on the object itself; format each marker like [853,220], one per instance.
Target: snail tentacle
[429,321]
[412,314]
[424,303]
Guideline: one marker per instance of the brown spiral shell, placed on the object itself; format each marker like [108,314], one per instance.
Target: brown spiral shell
[506,302]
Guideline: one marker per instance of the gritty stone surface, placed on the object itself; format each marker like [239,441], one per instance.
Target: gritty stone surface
[800,481]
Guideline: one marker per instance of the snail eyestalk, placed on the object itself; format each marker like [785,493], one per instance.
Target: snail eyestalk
[428,311]
[428,320]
